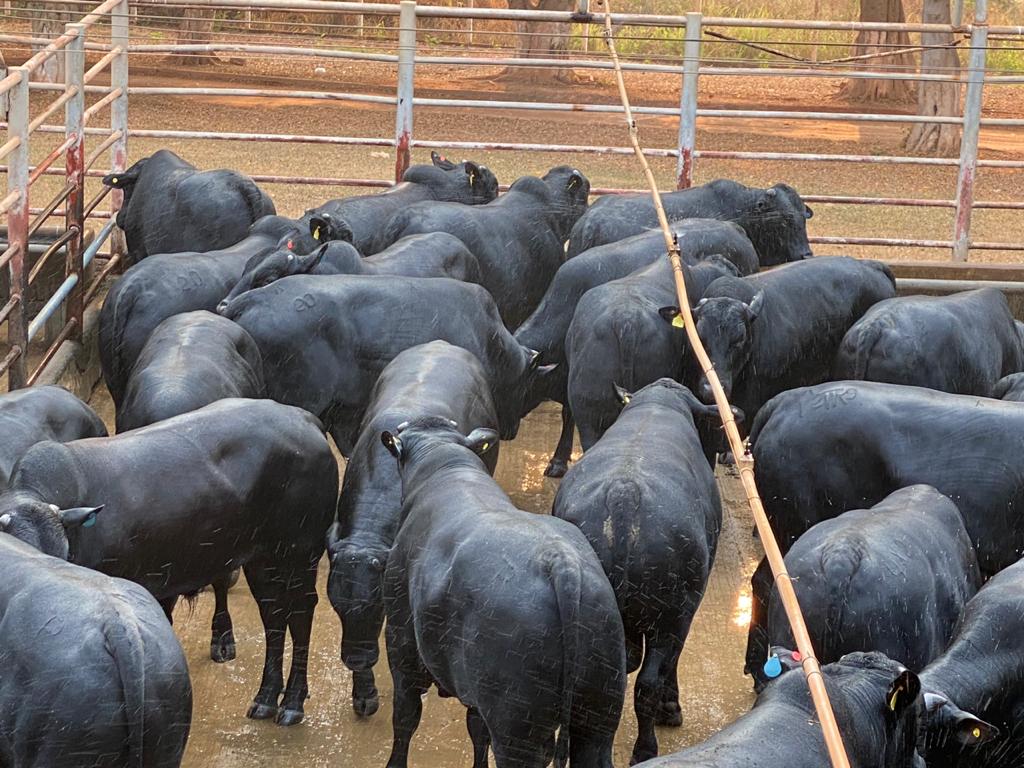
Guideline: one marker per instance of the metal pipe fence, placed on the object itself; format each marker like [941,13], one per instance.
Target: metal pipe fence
[27,130]
[409,55]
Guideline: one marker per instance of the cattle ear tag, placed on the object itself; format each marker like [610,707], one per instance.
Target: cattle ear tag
[290,245]
[485,446]
[976,733]
[90,521]
[678,322]
[626,399]
[316,232]
[773,667]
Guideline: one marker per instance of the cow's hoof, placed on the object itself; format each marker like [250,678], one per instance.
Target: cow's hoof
[222,650]
[289,717]
[727,459]
[366,705]
[556,468]
[642,755]
[259,711]
[670,715]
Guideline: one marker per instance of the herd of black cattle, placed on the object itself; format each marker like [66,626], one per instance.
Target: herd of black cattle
[417,327]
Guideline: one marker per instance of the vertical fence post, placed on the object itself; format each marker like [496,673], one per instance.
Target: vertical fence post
[972,126]
[119,114]
[406,73]
[361,23]
[17,230]
[688,101]
[74,163]
[472,4]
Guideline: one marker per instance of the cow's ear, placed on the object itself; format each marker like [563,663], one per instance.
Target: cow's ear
[767,199]
[480,441]
[756,305]
[122,179]
[393,443]
[324,228]
[946,718]
[903,692]
[623,396]
[79,516]
[310,262]
[808,213]
[673,316]
[441,161]
[780,661]
[576,181]
[473,175]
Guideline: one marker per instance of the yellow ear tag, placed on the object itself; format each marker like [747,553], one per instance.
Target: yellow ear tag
[976,733]
[892,701]
[316,233]
[114,180]
[626,399]
[678,322]
[472,178]
[484,447]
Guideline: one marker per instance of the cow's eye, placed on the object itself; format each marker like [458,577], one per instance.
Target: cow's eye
[375,563]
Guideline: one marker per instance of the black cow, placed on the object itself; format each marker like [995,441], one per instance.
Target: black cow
[189,361]
[974,692]
[621,334]
[444,181]
[780,329]
[877,704]
[519,239]
[32,415]
[431,379]
[893,579]
[506,610]
[92,672]
[775,219]
[822,450]
[325,340]
[962,343]
[436,254]
[239,483]
[170,206]
[1010,388]
[545,330]
[649,506]
[169,284]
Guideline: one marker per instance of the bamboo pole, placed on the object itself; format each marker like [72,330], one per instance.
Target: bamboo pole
[811,668]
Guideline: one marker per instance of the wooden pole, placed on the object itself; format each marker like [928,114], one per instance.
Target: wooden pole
[811,668]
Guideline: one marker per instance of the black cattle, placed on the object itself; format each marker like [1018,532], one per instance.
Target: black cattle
[1010,388]
[506,610]
[893,579]
[962,343]
[189,361]
[877,704]
[974,692]
[775,219]
[443,181]
[170,206]
[32,415]
[822,450]
[170,284]
[92,672]
[519,239]
[239,483]
[545,330]
[431,379]
[437,254]
[649,506]
[325,340]
[780,329]
[621,335]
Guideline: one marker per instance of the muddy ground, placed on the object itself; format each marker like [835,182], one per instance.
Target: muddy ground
[712,687]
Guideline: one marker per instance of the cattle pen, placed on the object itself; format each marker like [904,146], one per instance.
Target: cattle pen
[102,38]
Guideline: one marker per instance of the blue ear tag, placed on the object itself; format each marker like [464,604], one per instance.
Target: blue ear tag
[773,667]
[90,521]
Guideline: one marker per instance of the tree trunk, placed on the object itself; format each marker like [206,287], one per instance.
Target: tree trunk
[870,42]
[541,39]
[935,97]
[196,29]
[48,21]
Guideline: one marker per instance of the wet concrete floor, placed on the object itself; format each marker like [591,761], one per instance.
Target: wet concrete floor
[712,687]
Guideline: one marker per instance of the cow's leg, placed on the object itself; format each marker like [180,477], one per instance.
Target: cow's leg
[519,745]
[559,463]
[409,687]
[268,593]
[222,644]
[168,604]
[634,651]
[365,699]
[595,752]
[669,711]
[757,636]
[480,737]
[301,602]
[647,697]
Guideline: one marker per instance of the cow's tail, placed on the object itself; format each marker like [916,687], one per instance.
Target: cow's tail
[567,579]
[839,564]
[868,336]
[123,306]
[125,644]
[622,505]
[764,414]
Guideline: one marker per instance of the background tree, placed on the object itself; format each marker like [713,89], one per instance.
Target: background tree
[48,22]
[937,97]
[543,39]
[196,29]
[873,89]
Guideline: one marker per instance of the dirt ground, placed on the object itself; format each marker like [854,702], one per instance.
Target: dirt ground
[712,687]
